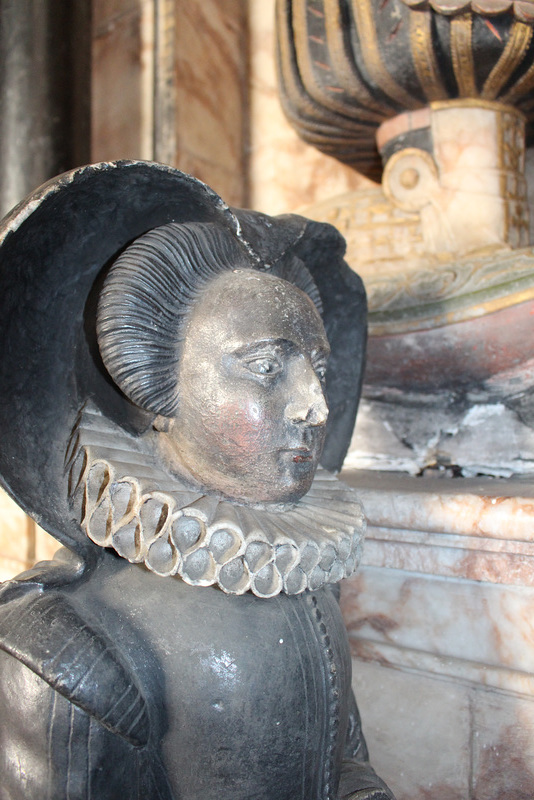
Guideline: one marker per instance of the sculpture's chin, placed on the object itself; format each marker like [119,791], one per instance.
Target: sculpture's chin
[272,495]
[277,480]
[281,501]
[275,488]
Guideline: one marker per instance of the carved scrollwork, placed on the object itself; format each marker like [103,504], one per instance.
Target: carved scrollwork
[523,11]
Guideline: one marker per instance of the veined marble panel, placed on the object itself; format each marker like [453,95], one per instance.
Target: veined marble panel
[476,558]
[503,748]
[211,94]
[121,100]
[418,730]
[483,533]
[285,173]
[446,586]
[441,625]
[435,739]
[472,632]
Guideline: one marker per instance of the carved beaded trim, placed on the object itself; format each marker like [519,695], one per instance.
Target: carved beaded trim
[332,689]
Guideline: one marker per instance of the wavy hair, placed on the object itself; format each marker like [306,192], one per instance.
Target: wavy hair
[147,295]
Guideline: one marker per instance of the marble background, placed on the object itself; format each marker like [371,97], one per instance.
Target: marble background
[441,624]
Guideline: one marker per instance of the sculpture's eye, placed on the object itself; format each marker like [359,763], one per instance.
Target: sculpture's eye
[320,371]
[319,365]
[264,365]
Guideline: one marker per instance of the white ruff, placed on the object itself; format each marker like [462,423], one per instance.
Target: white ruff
[128,502]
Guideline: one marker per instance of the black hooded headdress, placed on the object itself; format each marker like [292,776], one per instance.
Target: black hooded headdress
[55,249]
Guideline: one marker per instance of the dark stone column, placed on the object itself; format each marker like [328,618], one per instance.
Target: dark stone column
[44,92]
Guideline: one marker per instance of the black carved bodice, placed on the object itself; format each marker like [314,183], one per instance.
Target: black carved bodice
[255,691]
[135,686]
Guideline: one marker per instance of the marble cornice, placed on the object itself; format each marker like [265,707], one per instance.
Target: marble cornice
[473,529]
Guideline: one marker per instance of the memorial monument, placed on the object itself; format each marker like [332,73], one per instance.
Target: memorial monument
[435,100]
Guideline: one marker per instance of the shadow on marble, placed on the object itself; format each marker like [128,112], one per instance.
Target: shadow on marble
[417,730]
[503,747]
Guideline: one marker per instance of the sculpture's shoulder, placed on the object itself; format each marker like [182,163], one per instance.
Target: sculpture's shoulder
[43,629]
[76,722]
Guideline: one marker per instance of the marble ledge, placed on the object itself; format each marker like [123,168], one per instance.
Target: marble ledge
[465,557]
[491,508]
[431,738]
[473,529]
[470,632]
[457,670]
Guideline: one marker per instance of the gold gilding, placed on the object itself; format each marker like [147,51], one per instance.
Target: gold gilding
[423,56]
[368,37]
[319,77]
[512,55]
[345,70]
[462,55]
[449,317]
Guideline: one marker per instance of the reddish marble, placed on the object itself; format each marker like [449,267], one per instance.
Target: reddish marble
[211,94]
[117,101]
[458,355]
[503,748]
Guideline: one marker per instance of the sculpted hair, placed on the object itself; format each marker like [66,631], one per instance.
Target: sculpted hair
[148,293]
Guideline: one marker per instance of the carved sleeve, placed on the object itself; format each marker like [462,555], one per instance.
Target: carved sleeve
[74,724]
[50,749]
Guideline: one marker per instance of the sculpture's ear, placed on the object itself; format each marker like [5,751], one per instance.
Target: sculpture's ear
[163,424]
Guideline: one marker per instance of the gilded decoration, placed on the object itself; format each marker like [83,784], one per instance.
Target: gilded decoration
[523,10]
[344,69]
[425,259]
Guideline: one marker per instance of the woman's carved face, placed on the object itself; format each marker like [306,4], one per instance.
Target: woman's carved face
[252,411]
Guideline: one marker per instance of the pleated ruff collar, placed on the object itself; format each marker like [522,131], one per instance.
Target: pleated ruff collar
[126,501]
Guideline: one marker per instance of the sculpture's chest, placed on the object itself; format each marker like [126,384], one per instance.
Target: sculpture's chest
[253,693]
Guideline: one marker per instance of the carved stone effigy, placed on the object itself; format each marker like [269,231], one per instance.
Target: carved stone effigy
[166,382]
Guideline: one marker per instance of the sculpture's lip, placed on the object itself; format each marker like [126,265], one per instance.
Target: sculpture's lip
[299,454]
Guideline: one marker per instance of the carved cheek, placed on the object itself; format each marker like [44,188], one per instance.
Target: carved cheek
[243,427]
[247,430]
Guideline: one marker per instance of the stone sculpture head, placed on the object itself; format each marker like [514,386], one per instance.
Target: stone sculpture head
[229,357]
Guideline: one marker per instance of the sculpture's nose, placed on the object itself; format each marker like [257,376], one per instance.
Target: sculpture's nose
[307,402]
